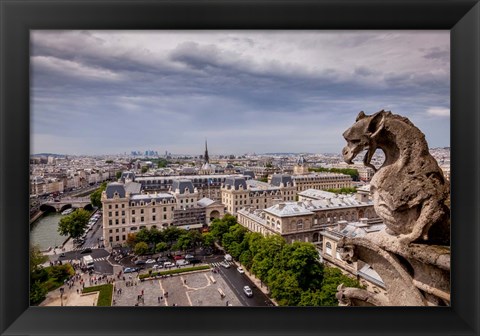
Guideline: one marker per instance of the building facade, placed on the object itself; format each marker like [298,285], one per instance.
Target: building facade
[322,181]
[127,208]
[239,192]
[305,220]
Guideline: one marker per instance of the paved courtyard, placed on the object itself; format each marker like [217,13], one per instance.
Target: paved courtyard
[193,289]
[200,288]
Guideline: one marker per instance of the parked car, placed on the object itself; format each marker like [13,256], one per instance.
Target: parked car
[248,291]
[240,270]
[182,262]
[168,264]
[130,270]
[150,261]
[140,262]
[178,257]
[157,266]
[189,256]
[162,259]
[225,264]
[86,250]
[194,261]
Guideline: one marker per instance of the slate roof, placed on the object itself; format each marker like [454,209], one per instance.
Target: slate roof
[278,179]
[236,182]
[249,173]
[115,187]
[133,188]
[287,209]
[182,185]
[204,202]
[148,198]
[128,175]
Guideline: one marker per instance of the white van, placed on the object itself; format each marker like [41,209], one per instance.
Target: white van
[228,257]
[181,262]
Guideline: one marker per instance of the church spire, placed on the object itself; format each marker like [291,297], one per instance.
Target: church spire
[207,160]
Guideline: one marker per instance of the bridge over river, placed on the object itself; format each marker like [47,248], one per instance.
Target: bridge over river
[65,203]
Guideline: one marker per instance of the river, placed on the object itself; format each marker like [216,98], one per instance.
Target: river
[44,231]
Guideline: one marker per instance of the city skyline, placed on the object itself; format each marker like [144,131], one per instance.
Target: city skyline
[110,92]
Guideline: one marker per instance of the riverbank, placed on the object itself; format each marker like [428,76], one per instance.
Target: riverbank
[35,217]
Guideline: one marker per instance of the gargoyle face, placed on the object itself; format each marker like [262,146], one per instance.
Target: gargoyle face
[362,134]
[357,138]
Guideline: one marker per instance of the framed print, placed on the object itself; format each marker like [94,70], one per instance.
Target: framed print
[53,78]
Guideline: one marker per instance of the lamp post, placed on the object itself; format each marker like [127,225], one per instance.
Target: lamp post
[61,295]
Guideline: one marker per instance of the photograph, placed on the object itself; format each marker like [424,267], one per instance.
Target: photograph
[240,168]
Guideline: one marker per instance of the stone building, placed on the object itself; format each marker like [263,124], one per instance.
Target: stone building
[305,220]
[127,208]
[322,181]
[301,167]
[239,192]
[330,253]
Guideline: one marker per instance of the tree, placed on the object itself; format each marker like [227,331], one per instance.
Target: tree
[196,238]
[131,240]
[37,293]
[140,248]
[144,169]
[332,278]
[74,225]
[161,247]
[172,233]
[208,239]
[143,235]
[96,196]
[118,175]
[184,242]
[36,258]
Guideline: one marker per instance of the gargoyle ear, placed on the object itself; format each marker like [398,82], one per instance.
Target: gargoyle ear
[377,123]
[360,116]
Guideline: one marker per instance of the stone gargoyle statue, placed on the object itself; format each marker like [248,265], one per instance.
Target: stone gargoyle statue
[409,189]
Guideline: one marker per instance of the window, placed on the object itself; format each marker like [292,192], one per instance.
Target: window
[109,222]
[141,211]
[328,248]
[123,212]
[116,230]
[153,218]
[123,206]
[123,220]
[109,206]
[133,212]
[116,213]
[164,208]
[164,216]
[133,219]
[141,219]
[116,206]
[117,238]
[110,239]
[153,210]
[116,221]
[123,230]
[110,231]
[109,214]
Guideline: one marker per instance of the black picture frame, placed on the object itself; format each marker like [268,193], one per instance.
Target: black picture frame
[18,17]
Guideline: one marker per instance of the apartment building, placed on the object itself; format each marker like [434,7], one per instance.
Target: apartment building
[304,220]
[128,208]
[239,192]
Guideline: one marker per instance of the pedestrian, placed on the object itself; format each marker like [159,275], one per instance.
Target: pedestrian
[77,290]
[159,299]
[185,281]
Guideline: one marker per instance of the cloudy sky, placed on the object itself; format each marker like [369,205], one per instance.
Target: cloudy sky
[109,92]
